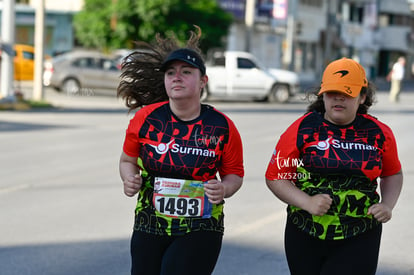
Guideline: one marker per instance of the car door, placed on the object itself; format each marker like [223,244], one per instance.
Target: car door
[249,79]
[110,74]
[86,70]
[23,62]
[218,81]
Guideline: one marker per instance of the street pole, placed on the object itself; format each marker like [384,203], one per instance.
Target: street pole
[288,52]
[249,21]
[7,42]
[38,93]
[328,32]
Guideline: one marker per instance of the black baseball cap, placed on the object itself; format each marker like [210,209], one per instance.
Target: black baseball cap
[187,55]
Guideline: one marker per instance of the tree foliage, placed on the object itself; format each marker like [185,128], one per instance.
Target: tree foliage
[111,24]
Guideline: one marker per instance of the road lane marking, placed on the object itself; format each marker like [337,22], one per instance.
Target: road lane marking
[11,189]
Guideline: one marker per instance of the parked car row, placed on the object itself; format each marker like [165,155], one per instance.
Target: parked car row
[82,72]
[232,75]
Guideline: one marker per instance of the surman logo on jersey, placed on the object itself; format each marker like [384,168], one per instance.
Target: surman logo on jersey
[163,148]
[323,144]
[326,144]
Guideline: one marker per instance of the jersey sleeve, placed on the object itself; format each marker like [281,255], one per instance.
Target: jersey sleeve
[233,153]
[131,143]
[285,153]
[390,161]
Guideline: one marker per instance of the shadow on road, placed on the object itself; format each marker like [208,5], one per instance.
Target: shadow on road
[6,126]
[83,258]
[112,258]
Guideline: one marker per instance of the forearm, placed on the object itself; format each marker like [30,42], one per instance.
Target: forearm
[391,188]
[232,184]
[288,193]
[128,166]
[126,169]
[130,174]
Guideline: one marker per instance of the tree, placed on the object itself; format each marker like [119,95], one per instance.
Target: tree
[110,24]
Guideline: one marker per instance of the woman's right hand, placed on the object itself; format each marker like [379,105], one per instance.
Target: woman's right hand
[318,205]
[132,184]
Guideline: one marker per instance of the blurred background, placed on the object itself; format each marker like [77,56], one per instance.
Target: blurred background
[62,209]
[297,35]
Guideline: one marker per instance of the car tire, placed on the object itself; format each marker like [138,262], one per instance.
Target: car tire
[71,86]
[279,93]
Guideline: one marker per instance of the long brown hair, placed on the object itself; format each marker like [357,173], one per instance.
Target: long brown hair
[142,81]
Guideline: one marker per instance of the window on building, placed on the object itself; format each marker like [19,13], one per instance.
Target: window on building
[356,13]
[383,20]
[388,19]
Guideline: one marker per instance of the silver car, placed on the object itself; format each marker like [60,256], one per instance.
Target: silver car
[82,72]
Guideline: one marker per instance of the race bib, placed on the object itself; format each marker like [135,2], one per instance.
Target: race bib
[181,198]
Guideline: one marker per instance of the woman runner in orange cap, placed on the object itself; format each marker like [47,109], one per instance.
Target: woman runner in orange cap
[327,166]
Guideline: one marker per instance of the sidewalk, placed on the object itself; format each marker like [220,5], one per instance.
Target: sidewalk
[62,100]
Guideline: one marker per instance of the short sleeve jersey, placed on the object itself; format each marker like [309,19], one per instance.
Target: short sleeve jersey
[192,150]
[342,161]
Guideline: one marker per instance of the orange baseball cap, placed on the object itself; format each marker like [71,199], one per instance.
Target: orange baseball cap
[344,75]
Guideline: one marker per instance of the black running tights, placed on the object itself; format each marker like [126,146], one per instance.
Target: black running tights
[307,255]
[194,253]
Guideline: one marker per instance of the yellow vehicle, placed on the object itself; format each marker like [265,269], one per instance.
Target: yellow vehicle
[23,62]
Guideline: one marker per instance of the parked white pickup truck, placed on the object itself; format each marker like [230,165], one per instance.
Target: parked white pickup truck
[238,75]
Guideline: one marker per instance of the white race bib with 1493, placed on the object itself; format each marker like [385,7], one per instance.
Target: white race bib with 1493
[181,198]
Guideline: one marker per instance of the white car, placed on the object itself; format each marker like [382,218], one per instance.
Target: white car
[238,75]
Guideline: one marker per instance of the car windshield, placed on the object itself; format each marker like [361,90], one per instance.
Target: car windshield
[28,55]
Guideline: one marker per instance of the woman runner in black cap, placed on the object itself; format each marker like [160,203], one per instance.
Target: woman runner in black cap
[182,157]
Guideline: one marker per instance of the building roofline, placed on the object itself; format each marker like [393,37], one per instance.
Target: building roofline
[22,8]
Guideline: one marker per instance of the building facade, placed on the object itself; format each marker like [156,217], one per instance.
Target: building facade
[59,34]
[301,35]
[314,32]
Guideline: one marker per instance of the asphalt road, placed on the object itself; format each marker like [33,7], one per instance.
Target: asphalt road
[62,210]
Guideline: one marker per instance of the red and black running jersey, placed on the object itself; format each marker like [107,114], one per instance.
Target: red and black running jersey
[342,161]
[192,150]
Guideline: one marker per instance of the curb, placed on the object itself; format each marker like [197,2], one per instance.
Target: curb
[16,106]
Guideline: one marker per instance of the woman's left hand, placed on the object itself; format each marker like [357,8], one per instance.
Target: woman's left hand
[214,190]
[381,212]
